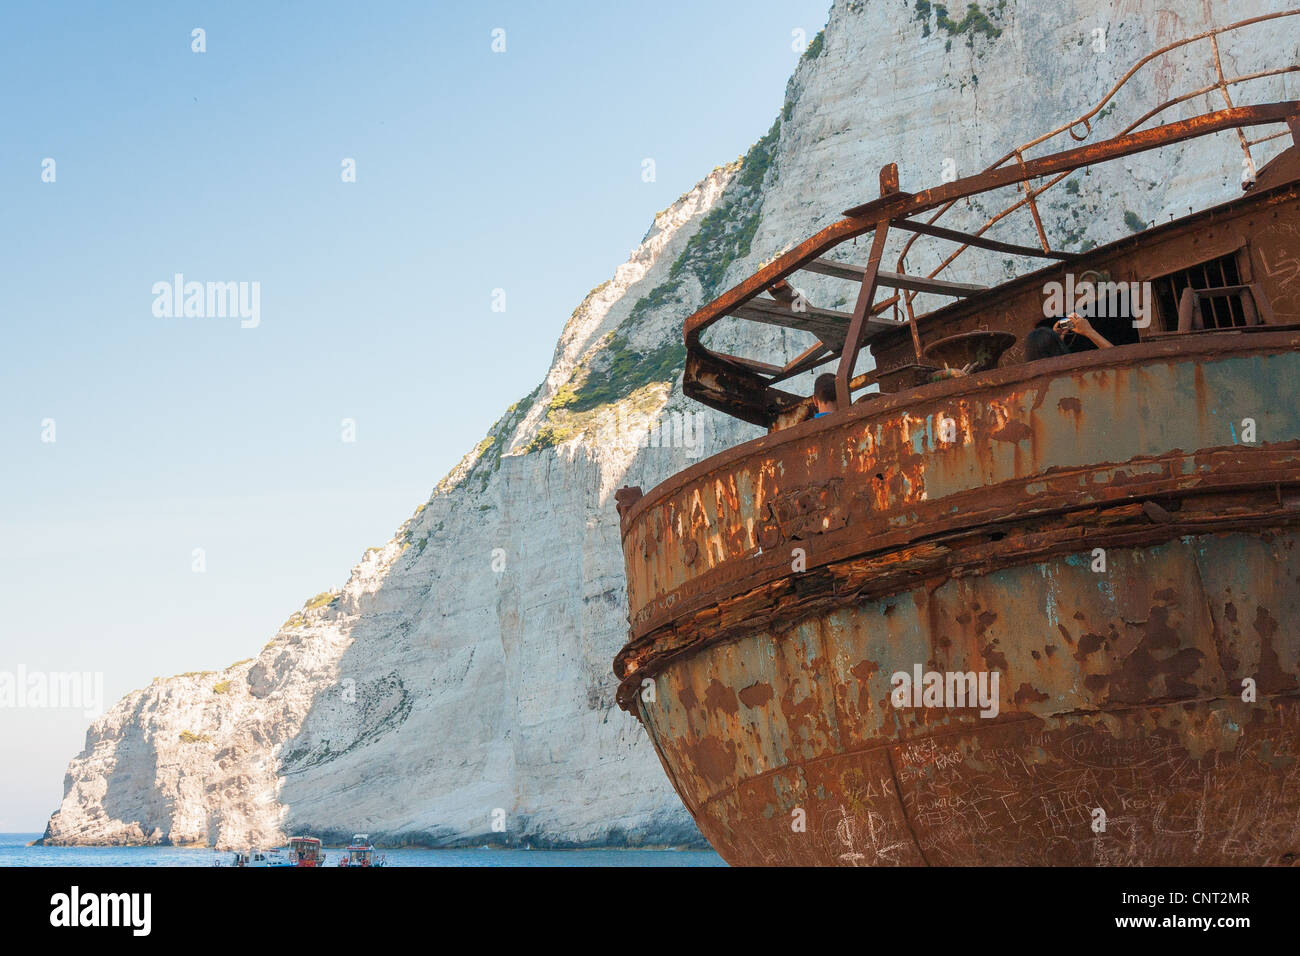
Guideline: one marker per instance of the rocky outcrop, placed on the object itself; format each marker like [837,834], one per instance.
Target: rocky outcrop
[457,688]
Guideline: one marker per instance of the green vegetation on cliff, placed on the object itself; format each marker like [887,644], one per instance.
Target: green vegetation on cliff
[615,369]
[815,48]
[975,21]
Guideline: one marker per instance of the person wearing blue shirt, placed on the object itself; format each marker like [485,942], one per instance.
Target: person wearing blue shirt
[824,394]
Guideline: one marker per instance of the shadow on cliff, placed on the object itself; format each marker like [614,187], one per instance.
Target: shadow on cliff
[356,713]
[122,798]
[121,801]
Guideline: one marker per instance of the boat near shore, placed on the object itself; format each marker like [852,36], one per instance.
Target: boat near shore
[1103,545]
[304,852]
[361,853]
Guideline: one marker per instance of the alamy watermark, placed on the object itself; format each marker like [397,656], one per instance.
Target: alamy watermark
[949,689]
[675,429]
[208,300]
[1099,299]
[129,910]
[53,690]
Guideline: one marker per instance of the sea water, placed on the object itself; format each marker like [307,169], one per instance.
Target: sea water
[14,851]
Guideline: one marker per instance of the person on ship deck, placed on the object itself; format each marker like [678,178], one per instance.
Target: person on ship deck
[1049,338]
[824,394]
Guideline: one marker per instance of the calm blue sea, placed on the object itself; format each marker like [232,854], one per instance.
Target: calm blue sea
[14,851]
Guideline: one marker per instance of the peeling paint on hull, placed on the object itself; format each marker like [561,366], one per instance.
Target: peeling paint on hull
[766,691]
[1135,713]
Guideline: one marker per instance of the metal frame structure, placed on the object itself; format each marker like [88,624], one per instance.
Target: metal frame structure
[746,388]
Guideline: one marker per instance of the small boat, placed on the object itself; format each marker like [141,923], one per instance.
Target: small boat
[301,851]
[257,858]
[361,852]
[306,851]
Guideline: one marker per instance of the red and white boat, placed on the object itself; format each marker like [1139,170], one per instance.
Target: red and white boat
[361,852]
[306,851]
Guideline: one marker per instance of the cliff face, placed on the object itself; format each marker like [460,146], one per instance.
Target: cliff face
[457,689]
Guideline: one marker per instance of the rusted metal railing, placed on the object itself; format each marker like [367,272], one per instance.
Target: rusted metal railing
[1221,83]
[745,387]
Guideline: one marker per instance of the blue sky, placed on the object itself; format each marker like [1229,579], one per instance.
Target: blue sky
[475,171]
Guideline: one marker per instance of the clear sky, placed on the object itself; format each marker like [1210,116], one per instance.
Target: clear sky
[475,171]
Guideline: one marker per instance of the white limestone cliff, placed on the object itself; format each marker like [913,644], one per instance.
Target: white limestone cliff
[462,674]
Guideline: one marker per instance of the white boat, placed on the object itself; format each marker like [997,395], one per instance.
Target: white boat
[301,852]
[361,852]
[258,858]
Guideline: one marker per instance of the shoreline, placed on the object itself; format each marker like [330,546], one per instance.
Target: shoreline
[522,846]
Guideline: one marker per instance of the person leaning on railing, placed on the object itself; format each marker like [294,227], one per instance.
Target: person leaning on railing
[1045,341]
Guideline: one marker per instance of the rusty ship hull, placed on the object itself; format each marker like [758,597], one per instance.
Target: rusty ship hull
[1110,538]
[770,706]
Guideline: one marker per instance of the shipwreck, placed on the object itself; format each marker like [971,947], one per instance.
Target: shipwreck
[1113,532]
